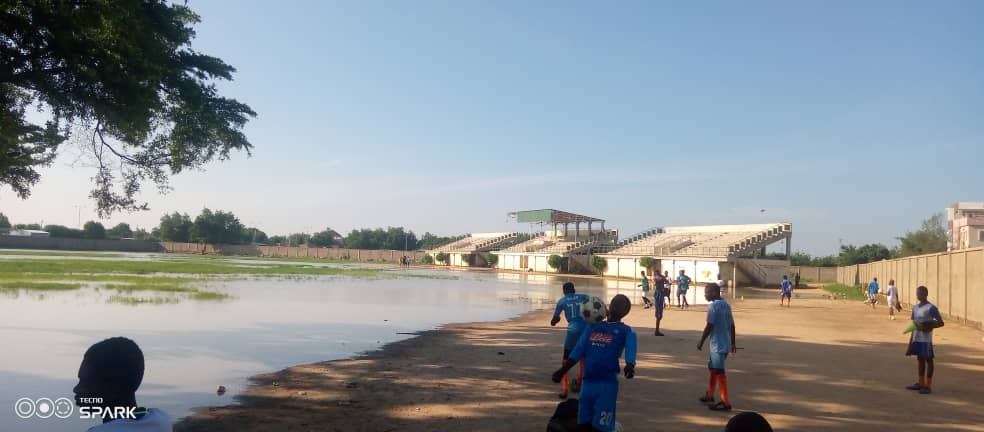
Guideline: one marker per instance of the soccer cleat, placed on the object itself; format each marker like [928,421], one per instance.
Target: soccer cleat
[562,395]
[705,399]
[658,334]
[720,406]
[925,390]
[915,386]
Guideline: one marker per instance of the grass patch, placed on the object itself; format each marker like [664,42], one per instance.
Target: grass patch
[128,288]
[133,301]
[39,286]
[203,267]
[208,296]
[21,252]
[845,291]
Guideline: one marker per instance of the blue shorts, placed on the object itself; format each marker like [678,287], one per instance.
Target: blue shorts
[717,360]
[597,404]
[923,350]
[787,294]
[572,337]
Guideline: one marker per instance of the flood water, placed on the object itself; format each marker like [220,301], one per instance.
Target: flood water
[268,324]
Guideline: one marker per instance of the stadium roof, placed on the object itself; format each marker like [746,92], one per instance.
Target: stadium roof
[551,216]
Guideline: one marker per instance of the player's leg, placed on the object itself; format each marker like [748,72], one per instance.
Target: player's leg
[603,418]
[927,354]
[922,370]
[586,405]
[717,363]
[659,316]
[563,382]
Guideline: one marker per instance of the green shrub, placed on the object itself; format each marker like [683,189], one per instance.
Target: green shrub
[599,263]
[648,262]
[442,257]
[555,261]
[427,260]
[491,258]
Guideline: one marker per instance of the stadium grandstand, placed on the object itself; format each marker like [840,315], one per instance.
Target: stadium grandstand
[467,251]
[706,253]
[574,246]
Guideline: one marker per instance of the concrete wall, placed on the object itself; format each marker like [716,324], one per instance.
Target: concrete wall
[815,274]
[955,280]
[48,243]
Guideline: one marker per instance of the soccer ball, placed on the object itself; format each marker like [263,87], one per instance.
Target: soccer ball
[593,310]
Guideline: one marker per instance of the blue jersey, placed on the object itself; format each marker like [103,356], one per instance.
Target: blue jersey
[570,304]
[786,286]
[601,345]
[719,315]
[873,287]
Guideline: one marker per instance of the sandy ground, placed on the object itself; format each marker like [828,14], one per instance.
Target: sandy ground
[821,365]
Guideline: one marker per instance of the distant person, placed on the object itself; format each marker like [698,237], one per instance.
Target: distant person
[796,279]
[570,305]
[892,294]
[927,318]
[683,284]
[659,301]
[873,292]
[601,346]
[111,371]
[720,328]
[645,290]
[785,291]
[748,422]
[669,287]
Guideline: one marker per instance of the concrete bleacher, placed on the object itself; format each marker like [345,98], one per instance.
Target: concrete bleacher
[478,242]
[703,241]
[544,244]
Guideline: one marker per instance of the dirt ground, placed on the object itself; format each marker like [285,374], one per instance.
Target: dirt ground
[821,365]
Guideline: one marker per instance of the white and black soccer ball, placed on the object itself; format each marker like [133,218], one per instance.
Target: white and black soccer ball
[594,310]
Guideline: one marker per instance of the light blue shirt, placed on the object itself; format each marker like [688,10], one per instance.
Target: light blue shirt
[719,316]
[873,287]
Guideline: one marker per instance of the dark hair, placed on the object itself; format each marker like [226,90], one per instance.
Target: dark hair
[713,287]
[620,306]
[117,361]
[923,288]
[568,287]
[748,422]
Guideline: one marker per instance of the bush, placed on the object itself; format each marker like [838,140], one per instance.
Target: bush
[442,257]
[648,263]
[491,258]
[466,259]
[427,260]
[599,263]
[555,261]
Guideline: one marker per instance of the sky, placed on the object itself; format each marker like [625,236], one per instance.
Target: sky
[854,121]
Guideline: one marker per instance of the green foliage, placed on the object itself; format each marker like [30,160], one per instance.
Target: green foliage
[648,263]
[93,230]
[142,234]
[174,227]
[4,222]
[61,231]
[390,238]
[326,238]
[442,257]
[466,259]
[929,238]
[430,241]
[277,240]
[491,258]
[216,227]
[805,259]
[555,261]
[851,255]
[121,230]
[120,75]
[253,235]
[427,260]
[298,239]
[599,263]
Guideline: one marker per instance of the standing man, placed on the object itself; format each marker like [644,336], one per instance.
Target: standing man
[721,329]
[683,284]
[797,280]
[570,305]
[786,292]
[873,292]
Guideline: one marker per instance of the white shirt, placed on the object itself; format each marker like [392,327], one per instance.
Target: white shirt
[924,313]
[893,292]
[154,421]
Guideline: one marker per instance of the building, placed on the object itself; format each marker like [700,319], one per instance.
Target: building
[573,246]
[965,225]
[469,250]
[28,233]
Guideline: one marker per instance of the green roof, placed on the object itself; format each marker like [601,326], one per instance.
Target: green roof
[552,216]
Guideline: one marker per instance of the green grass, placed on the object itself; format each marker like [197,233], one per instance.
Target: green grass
[208,296]
[128,288]
[845,291]
[133,301]
[39,286]
[203,267]
[21,252]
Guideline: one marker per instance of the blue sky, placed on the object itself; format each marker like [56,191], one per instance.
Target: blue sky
[852,120]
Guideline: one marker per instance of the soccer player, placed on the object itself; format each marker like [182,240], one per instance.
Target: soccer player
[668,289]
[873,292]
[645,290]
[659,301]
[109,376]
[601,346]
[683,284]
[893,299]
[721,329]
[570,305]
[927,317]
[786,292]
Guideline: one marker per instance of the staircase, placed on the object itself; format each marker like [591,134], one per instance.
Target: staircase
[754,271]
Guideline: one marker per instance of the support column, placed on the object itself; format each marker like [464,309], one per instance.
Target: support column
[590,234]
[734,279]
[789,247]
[577,229]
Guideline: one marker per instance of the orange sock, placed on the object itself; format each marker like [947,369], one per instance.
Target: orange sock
[929,382]
[563,383]
[710,384]
[724,388]
[922,381]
